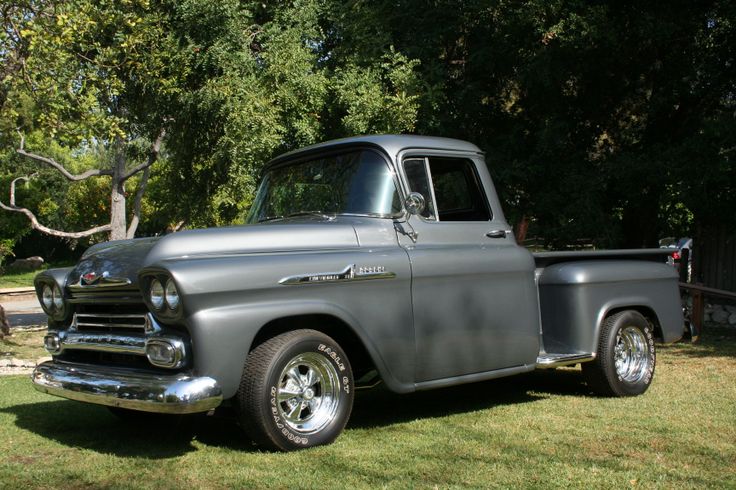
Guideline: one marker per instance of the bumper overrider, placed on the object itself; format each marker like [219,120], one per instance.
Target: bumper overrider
[174,394]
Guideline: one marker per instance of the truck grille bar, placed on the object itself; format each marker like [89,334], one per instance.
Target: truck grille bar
[110,322]
[113,296]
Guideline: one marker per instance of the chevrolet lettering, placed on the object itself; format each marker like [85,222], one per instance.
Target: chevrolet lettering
[363,260]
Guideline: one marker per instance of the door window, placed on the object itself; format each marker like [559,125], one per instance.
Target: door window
[450,186]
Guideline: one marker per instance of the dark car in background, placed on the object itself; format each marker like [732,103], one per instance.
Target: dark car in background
[681,257]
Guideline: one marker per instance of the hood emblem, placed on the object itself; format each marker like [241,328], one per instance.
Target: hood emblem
[94,280]
[90,278]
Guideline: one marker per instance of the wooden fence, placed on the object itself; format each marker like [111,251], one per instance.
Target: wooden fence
[698,294]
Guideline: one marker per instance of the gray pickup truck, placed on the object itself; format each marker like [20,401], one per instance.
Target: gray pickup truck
[377,258]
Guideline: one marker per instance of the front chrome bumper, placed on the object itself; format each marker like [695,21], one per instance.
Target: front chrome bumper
[175,393]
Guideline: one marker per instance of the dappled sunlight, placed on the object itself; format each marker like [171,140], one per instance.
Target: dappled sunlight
[715,342]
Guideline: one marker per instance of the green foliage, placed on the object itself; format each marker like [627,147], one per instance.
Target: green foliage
[282,89]
[378,99]
[6,249]
[88,84]
[598,120]
[612,123]
[86,67]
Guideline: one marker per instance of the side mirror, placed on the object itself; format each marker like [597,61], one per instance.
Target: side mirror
[415,203]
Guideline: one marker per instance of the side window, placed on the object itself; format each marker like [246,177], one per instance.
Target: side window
[457,190]
[450,186]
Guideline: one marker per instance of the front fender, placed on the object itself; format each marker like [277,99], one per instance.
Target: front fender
[222,338]
[226,300]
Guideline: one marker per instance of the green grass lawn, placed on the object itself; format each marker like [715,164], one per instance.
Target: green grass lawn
[542,430]
[25,279]
[22,280]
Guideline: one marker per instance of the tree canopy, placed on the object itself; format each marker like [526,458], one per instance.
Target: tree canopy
[612,122]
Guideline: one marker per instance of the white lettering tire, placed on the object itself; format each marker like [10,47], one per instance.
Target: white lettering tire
[296,391]
[624,365]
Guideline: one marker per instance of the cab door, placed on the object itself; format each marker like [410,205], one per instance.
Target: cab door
[473,294]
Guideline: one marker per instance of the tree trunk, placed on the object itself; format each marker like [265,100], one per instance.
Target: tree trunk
[4,324]
[117,195]
[521,228]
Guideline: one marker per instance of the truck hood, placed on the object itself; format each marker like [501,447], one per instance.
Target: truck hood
[124,258]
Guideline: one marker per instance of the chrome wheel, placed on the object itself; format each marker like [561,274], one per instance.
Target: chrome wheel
[308,393]
[631,355]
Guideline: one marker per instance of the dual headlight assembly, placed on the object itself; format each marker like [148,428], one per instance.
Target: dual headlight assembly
[163,294]
[52,299]
[163,298]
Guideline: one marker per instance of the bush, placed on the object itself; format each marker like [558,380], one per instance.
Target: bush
[6,250]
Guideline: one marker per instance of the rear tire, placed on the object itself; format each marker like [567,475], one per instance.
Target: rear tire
[296,391]
[626,356]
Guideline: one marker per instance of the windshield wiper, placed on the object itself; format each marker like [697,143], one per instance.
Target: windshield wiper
[319,214]
[269,218]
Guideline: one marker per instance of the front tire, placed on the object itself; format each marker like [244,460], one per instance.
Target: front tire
[626,356]
[296,391]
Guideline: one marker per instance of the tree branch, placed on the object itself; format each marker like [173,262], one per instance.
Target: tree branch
[137,204]
[12,187]
[38,226]
[53,163]
[152,156]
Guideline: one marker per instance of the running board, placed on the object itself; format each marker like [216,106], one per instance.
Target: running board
[547,361]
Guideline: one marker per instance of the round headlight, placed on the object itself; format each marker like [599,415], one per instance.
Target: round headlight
[47,296]
[172,295]
[58,299]
[157,294]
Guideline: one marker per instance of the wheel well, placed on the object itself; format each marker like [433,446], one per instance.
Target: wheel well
[329,325]
[647,313]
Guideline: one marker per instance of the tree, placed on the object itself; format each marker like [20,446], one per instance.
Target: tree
[119,176]
[599,120]
[4,324]
[89,74]
[263,79]
[608,122]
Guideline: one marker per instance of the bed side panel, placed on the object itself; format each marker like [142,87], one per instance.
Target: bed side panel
[576,296]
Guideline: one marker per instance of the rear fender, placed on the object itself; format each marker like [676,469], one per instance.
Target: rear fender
[576,297]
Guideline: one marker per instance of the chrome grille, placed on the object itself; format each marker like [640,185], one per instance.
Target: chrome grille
[116,296]
[129,323]
[110,327]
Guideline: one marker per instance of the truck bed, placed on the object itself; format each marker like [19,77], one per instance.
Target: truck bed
[544,259]
[577,290]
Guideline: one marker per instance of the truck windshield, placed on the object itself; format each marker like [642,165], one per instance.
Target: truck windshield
[359,183]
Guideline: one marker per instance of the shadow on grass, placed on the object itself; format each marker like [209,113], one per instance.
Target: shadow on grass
[379,407]
[27,319]
[715,341]
[93,427]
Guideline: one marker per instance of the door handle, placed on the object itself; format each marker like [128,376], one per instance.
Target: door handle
[498,233]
